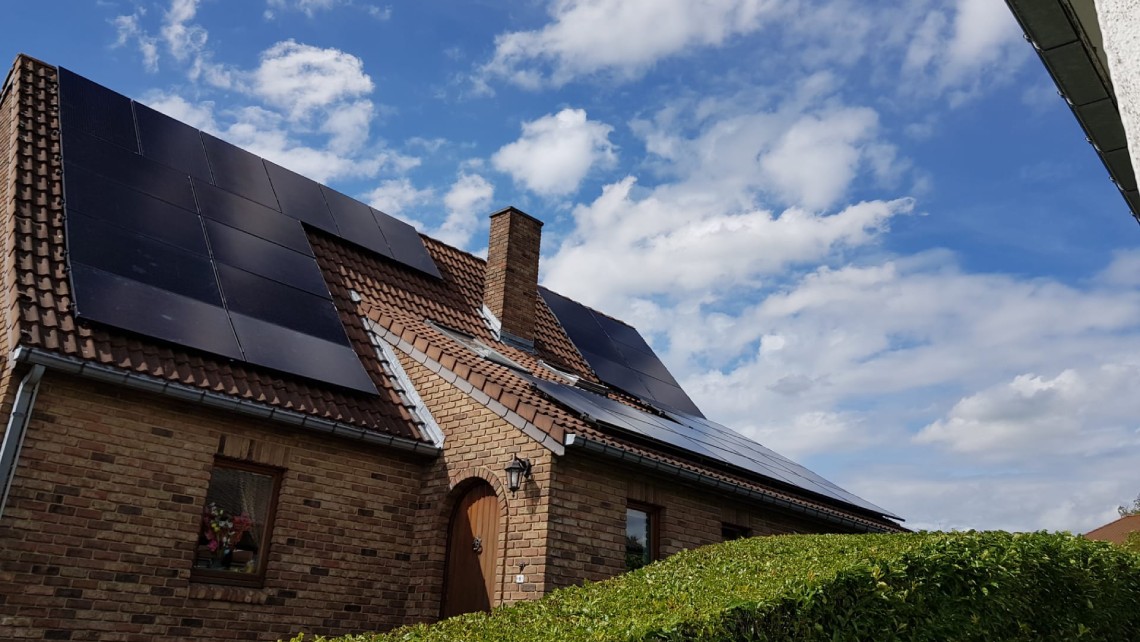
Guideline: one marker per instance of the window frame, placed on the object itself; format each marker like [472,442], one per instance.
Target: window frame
[653,530]
[739,532]
[232,578]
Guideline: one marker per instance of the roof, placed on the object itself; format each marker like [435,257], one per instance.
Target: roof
[378,294]
[1067,37]
[1116,531]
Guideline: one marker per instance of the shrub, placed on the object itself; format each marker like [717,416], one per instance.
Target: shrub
[918,586]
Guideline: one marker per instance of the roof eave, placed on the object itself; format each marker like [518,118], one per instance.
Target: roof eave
[1069,60]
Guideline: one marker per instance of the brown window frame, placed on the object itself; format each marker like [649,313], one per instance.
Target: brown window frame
[231,578]
[653,516]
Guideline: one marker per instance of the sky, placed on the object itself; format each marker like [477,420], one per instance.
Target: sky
[869,235]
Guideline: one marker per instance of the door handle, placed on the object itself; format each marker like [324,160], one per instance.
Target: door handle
[477,545]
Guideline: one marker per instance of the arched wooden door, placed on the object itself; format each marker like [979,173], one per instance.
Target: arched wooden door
[472,552]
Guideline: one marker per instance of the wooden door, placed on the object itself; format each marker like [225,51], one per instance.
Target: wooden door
[472,552]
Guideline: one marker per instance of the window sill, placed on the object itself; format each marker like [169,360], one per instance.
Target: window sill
[222,593]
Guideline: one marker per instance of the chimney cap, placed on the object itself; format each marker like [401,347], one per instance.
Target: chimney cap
[511,209]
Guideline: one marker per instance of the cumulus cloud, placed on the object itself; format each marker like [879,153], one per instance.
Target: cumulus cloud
[555,152]
[302,79]
[620,37]
[397,195]
[467,203]
[128,29]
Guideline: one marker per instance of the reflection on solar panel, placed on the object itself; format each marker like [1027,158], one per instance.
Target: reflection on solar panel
[699,436]
[619,355]
[158,212]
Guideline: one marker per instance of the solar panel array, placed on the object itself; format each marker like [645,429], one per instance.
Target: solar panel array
[180,236]
[699,436]
[619,355]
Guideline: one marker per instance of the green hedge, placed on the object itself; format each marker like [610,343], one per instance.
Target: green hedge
[920,586]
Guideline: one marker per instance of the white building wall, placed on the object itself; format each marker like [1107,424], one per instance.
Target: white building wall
[1120,28]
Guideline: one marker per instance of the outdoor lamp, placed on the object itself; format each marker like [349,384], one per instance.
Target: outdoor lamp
[517,470]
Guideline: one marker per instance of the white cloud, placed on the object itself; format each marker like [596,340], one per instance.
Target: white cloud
[555,152]
[397,195]
[1084,412]
[302,79]
[467,203]
[621,37]
[312,7]
[128,28]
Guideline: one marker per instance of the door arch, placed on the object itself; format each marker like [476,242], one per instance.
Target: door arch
[472,552]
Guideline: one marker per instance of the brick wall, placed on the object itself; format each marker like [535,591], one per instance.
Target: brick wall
[101,528]
[587,516]
[477,444]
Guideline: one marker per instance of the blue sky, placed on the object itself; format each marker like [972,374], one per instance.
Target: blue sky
[871,237]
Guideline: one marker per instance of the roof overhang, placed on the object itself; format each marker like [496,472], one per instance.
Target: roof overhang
[1067,37]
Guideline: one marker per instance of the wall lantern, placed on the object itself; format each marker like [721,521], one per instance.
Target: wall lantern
[517,470]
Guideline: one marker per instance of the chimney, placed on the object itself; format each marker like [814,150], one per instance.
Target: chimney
[512,272]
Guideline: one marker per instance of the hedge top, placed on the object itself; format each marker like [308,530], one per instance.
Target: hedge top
[915,586]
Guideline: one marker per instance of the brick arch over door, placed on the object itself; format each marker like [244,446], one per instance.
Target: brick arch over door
[476,506]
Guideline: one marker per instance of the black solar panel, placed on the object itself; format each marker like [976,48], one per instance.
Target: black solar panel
[128,168]
[355,222]
[241,213]
[273,346]
[140,258]
[117,204]
[406,245]
[238,171]
[154,312]
[96,110]
[169,215]
[261,298]
[699,436]
[619,355]
[172,143]
[301,198]
[252,254]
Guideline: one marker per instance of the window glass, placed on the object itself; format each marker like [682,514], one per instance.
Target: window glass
[234,527]
[729,532]
[638,538]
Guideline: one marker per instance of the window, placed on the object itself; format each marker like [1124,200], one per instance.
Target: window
[233,534]
[640,535]
[729,532]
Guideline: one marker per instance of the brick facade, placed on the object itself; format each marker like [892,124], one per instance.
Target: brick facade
[102,521]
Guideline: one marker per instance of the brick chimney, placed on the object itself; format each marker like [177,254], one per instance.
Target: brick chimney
[512,272]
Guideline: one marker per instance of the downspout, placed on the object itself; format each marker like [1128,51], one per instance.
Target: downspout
[16,429]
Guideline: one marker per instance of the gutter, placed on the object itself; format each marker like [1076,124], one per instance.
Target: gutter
[182,392]
[627,457]
[16,429]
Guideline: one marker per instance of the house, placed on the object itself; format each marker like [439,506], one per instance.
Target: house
[1116,531]
[1089,48]
[240,404]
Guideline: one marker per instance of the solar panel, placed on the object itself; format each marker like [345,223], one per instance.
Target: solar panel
[238,171]
[619,355]
[117,204]
[159,211]
[279,348]
[355,222]
[699,436]
[139,258]
[170,142]
[406,245]
[243,214]
[252,254]
[93,109]
[301,198]
[154,312]
[261,298]
[128,168]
